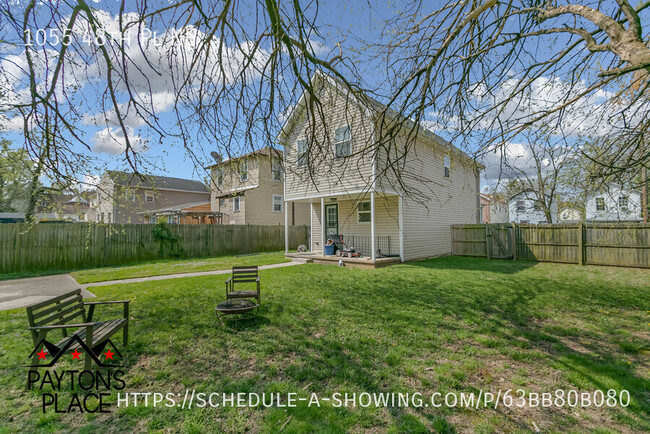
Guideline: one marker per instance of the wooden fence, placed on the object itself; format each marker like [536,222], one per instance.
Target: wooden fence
[626,245]
[61,246]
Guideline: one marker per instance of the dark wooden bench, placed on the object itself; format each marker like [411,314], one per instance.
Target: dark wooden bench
[68,311]
[243,275]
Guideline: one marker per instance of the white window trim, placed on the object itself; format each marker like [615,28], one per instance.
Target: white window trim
[243,170]
[130,196]
[300,157]
[596,204]
[274,197]
[279,171]
[147,194]
[364,212]
[236,200]
[219,179]
[340,142]
[446,166]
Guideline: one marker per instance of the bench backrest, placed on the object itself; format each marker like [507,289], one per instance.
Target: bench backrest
[244,274]
[64,309]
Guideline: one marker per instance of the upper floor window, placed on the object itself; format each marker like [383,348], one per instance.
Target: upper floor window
[236,204]
[623,203]
[538,206]
[222,203]
[363,212]
[129,194]
[148,196]
[277,203]
[600,204]
[243,169]
[276,170]
[302,152]
[447,165]
[342,142]
[520,205]
[219,176]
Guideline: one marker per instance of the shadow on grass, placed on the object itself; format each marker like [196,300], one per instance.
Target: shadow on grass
[471,263]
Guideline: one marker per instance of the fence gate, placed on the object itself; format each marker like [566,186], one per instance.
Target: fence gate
[500,241]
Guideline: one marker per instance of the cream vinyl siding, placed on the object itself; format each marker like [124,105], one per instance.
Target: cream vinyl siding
[386,219]
[447,201]
[256,203]
[316,228]
[329,175]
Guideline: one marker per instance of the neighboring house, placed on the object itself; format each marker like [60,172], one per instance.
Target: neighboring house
[613,203]
[55,205]
[124,197]
[349,194]
[525,208]
[198,213]
[250,190]
[569,215]
[493,209]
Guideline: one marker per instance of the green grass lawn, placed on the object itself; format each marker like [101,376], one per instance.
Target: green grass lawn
[170,266]
[442,325]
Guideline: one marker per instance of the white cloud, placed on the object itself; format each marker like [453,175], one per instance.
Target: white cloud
[111,141]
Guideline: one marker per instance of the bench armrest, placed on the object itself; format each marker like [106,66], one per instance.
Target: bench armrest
[258,279]
[62,326]
[229,279]
[91,307]
[106,302]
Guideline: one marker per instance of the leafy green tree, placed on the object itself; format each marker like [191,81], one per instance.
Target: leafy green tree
[15,177]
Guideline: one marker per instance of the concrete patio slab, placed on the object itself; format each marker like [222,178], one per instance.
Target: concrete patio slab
[25,292]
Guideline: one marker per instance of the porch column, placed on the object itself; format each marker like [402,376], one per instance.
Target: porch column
[311,226]
[372,225]
[401,228]
[323,229]
[286,229]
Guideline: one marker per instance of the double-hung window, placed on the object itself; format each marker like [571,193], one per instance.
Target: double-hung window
[363,212]
[148,196]
[277,203]
[447,165]
[342,142]
[276,170]
[623,204]
[236,204]
[600,204]
[219,177]
[302,152]
[243,170]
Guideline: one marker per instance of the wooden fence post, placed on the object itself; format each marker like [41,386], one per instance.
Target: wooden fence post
[581,249]
[514,241]
[488,245]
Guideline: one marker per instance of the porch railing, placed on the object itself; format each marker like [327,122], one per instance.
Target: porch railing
[362,244]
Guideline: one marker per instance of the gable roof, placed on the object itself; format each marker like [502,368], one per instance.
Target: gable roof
[267,150]
[129,179]
[370,103]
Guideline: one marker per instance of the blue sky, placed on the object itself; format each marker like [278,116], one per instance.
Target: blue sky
[339,22]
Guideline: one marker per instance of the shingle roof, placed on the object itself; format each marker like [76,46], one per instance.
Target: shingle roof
[157,182]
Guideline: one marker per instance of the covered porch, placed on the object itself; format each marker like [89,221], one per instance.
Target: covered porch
[369,222]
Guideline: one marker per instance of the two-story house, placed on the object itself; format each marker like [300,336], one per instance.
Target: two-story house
[524,207]
[340,166]
[250,190]
[124,197]
[613,203]
[493,209]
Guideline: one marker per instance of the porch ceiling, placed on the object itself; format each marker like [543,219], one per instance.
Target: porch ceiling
[354,196]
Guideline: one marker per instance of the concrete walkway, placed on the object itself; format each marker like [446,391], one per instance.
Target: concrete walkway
[182,275]
[25,292]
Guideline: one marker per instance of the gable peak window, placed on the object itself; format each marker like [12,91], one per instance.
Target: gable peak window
[623,203]
[302,152]
[600,204]
[243,169]
[342,142]
[520,205]
[446,162]
[276,169]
